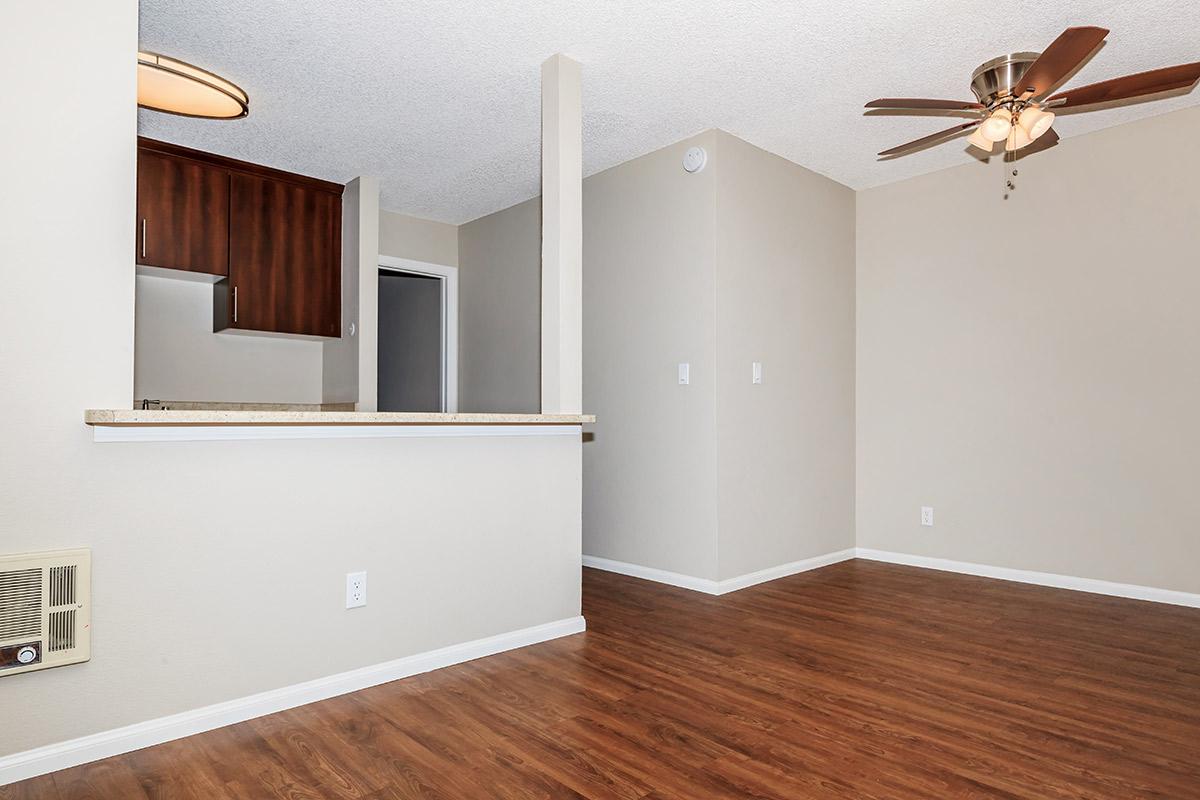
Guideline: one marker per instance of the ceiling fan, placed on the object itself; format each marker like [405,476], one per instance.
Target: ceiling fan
[1013,106]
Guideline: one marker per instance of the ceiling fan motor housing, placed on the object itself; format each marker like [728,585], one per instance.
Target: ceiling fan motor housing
[999,79]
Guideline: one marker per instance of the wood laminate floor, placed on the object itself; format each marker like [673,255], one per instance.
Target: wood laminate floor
[859,680]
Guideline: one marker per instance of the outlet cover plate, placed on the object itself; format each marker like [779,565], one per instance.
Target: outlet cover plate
[356,589]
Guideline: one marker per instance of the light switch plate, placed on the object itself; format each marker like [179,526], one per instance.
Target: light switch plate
[685,373]
[756,372]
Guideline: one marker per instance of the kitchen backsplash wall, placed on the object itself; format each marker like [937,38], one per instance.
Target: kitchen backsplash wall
[178,357]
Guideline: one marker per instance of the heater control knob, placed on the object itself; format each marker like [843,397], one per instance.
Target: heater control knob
[26,655]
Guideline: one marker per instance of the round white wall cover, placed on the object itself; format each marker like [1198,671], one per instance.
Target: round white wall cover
[353,329]
[695,159]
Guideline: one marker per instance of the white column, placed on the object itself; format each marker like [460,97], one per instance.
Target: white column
[562,237]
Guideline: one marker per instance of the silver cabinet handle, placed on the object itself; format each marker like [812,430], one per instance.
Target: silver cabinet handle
[143,237]
[235,304]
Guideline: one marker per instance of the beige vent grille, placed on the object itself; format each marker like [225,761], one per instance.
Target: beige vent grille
[20,603]
[61,630]
[45,610]
[62,585]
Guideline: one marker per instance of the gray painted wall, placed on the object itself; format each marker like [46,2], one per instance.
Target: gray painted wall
[348,363]
[178,357]
[499,311]
[425,240]
[751,259]
[785,298]
[1029,367]
[649,302]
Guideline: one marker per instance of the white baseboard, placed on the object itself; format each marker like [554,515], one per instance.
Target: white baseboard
[709,586]
[783,570]
[50,758]
[1092,585]
[651,574]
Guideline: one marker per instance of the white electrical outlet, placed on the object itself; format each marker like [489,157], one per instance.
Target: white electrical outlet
[356,589]
[927,516]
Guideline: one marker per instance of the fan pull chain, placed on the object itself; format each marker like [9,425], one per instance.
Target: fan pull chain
[1010,172]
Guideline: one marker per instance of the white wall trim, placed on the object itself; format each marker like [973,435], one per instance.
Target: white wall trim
[50,758]
[449,281]
[708,586]
[712,587]
[651,574]
[1092,585]
[208,433]
[783,570]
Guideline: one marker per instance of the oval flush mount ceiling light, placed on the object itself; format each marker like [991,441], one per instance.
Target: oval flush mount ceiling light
[176,87]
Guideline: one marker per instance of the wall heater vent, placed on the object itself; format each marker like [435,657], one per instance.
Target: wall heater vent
[61,631]
[20,603]
[45,610]
[62,585]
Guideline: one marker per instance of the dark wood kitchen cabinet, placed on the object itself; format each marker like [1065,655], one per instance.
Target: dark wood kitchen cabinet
[183,214]
[271,239]
[284,257]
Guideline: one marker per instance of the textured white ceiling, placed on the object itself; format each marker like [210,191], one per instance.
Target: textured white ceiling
[440,100]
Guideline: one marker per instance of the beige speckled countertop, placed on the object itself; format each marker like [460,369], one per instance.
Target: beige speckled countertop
[196,405]
[125,417]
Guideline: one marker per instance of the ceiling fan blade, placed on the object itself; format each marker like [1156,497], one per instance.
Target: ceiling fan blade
[1059,59]
[1129,86]
[933,138]
[923,104]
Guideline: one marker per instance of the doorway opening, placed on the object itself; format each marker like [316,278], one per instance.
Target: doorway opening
[417,358]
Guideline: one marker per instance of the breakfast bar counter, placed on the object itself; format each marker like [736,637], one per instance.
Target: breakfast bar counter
[112,425]
[95,416]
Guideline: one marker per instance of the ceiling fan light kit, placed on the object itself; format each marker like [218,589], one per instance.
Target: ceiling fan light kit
[977,139]
[1035,120]
[997,126]
[1031,122]
[1017,138]
[1014,100]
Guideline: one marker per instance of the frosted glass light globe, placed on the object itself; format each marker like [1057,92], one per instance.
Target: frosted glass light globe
[977,139]
[1035,121]
[1018,139]
[997,126]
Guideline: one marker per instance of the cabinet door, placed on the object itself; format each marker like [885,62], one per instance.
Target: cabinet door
[284,257]
[183,214]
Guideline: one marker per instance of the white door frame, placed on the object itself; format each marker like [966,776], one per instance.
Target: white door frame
[449,281]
